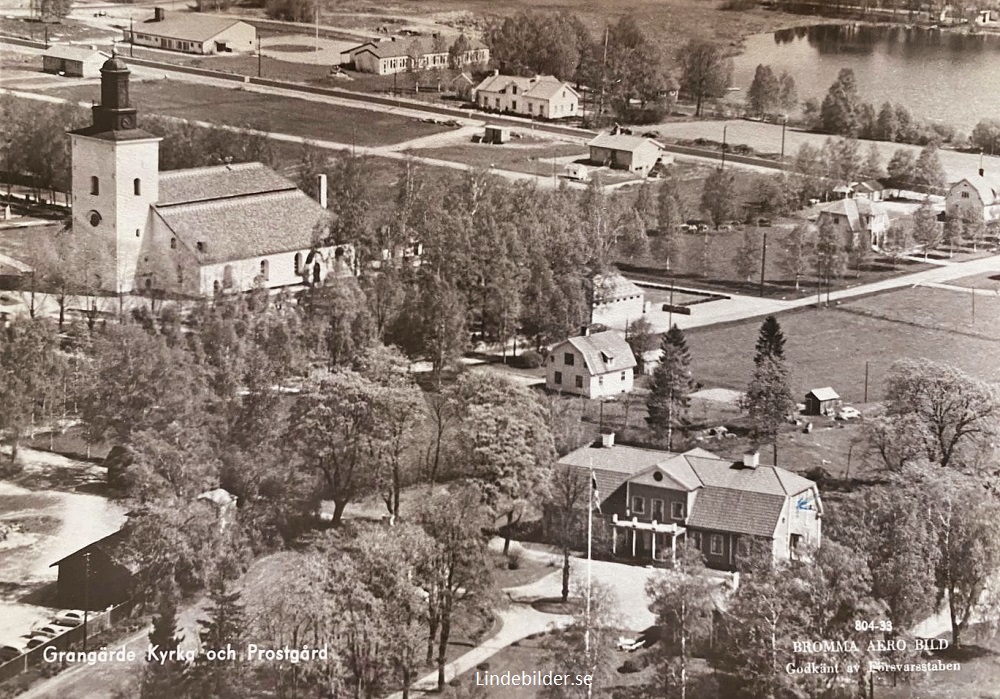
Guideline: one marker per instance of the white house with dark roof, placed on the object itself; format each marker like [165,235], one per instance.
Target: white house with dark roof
[194,32]
[542,96]
[73,61]
[193,232]
[403,55]
[973,198]
[858,220]
[600,365]
[614,300]
[652,501]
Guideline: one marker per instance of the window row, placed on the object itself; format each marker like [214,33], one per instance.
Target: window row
[95,186]
[656,508]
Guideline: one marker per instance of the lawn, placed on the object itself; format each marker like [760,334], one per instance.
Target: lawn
[238,107]
[524,155]
[989,281]
[831,346]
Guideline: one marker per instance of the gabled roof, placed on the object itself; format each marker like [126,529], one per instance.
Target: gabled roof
[197,27]
[604,352]
[541,86]
[825,393]
[407,47]
[219,181]
[613,286]
[241,227]
[736,511]
[111,545]
[984,188]
[612,466]
[622,142]
[74,53]
[853,209]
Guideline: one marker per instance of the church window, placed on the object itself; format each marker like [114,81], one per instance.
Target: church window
[263,269]
[149,282]
[298,263]
[137,234]
[199,246]
[137,186]
[228,280]
[95,186]
[173,243]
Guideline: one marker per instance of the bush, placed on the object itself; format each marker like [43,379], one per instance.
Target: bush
[514,559]
[629,666]
[529,360]
[483,667]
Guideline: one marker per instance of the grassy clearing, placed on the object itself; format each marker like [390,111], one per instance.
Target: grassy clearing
[237,107]
[830,346]
[989,281]
[520,157]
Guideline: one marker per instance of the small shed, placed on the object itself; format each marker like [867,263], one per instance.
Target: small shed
[822,401]
[496,134]
[74,61]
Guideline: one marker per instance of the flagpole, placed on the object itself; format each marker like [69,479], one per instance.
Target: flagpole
[590,546]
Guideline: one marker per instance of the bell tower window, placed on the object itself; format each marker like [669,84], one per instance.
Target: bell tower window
[137,186]
[95,185]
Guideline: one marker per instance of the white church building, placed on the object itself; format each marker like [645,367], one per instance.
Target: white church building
[196,232]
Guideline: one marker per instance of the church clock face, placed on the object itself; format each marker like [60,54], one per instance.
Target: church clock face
[94,218]
[128,122]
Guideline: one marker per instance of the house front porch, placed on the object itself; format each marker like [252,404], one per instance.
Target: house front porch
[654,541]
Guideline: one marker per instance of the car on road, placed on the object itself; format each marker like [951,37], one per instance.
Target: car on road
[68,617]
[848,413]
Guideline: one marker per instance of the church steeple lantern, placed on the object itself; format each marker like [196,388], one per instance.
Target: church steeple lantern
[115,112]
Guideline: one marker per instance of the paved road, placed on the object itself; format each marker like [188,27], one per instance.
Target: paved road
[739,307]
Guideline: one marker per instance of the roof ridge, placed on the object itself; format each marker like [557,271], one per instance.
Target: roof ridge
[229,201]
[174,174]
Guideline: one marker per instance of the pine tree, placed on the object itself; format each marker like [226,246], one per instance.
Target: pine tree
[164,680]
[770,341]
[672,384]
[226,626]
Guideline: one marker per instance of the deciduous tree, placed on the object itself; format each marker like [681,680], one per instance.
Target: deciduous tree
[706,71]
[797,247]
[839,113]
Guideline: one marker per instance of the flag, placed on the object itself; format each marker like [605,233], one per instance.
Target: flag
[596,496]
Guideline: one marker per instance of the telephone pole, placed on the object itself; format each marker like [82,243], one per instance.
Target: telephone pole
[763,262]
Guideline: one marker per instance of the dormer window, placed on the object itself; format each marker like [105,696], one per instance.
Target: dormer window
[607,358]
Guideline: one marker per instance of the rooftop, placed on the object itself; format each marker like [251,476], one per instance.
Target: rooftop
[621,141]
[825,393]
[195,26]
[74,53]
[604,352]
[219,181]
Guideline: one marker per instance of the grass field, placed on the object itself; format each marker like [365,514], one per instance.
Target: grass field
[831,346]
[236,107]
[989,281]
[522,156]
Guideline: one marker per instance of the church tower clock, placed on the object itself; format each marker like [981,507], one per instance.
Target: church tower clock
[115,182]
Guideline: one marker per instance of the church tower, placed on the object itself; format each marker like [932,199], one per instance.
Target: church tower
[115,182]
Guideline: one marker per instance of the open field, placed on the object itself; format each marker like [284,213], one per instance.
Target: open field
[830,346]
[237,107]
[989,281]
[525,155]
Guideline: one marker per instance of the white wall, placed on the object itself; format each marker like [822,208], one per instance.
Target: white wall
[618,314]
[611,384]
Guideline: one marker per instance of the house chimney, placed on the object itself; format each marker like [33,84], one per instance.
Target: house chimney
[158,14]
[981,172]
[751,459]
[321,189]
[496,71]
[607,439]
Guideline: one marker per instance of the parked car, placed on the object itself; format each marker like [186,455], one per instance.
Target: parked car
[68,617]
[848,413]
[36,641]
[49,630]
[9,652]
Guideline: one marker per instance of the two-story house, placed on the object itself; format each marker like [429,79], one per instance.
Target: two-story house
[653,501]
[973,199]
[861,221]
[599,365]
[542,96]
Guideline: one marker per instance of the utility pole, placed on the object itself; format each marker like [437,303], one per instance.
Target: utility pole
[784,122]
[260,58]
[866,382]
[724,127]
[131,37]
[973,305]
[86,597]
[763,262]
[604,67]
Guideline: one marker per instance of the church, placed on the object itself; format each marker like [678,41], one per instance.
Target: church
[195,232]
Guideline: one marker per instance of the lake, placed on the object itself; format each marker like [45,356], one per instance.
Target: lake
[944,76]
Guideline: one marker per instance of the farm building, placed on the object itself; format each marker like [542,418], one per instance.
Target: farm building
[594,366]
[496,134]
[74,61]
[623,152]
[95,577]
[822,401]
[194,33]
[577,171]
[615,301]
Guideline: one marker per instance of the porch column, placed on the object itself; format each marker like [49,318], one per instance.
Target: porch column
[614,539]
[673,548]
[654,542]
[634,533]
